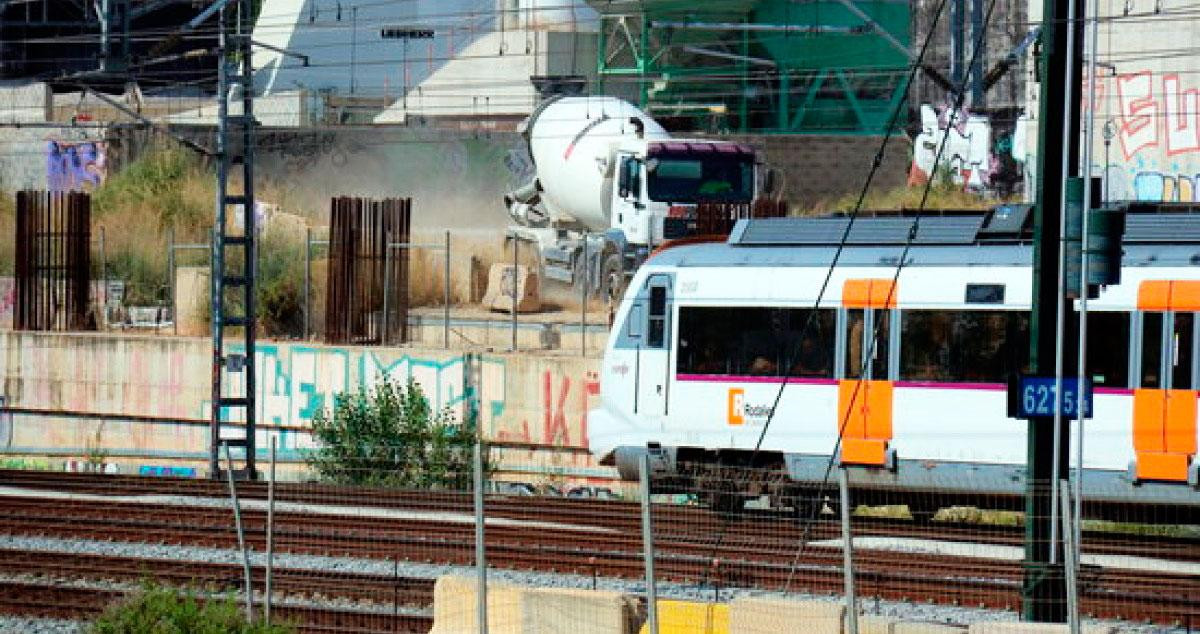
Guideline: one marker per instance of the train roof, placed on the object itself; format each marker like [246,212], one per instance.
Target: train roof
[999,237]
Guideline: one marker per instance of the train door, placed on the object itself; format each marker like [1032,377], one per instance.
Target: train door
[652,363]
[867,370]
[1164,399]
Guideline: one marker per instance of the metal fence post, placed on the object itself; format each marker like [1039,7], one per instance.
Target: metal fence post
[237,520]
[171,279]
[270,532]
[480,549]
[387,290]
[446,292]
[307,277]
[583,297]
[648,547]
[104,280]
[1069,562]
[848,553]
[514,294]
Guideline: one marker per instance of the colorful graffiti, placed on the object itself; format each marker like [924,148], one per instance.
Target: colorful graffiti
[75,165]
[968,148]
[295,382]
[1151,143]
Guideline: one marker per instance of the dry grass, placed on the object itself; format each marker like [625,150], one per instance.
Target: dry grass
[909,198]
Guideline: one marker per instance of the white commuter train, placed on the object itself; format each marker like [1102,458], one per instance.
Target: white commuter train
[707,332]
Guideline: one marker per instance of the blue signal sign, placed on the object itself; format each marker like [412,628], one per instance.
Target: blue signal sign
[1035,396]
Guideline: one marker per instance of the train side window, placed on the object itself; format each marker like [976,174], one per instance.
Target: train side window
[1152,330]
[756,341]
[983,346]
[1108,349]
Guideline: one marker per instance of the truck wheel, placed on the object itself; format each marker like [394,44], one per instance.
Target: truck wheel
[612,277]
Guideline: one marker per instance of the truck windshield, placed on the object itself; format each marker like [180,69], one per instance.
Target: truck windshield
[687,180]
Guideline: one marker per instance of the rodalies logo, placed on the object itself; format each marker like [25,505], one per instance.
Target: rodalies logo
[738,410]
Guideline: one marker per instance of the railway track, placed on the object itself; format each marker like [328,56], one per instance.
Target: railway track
[589,537]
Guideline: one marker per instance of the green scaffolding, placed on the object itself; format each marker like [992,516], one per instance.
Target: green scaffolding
[787,66]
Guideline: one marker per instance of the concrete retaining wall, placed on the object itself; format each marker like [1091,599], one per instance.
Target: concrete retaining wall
[524,398]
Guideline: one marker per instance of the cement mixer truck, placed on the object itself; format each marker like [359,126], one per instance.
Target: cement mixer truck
[610,184]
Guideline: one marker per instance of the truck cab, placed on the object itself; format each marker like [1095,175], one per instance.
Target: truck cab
[660,183]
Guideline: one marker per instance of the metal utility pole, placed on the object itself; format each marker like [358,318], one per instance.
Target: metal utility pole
[1044,590]
[231,369]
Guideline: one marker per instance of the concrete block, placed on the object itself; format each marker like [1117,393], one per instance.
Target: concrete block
[691,617]
[454,609]
[771,616]
[927,628]
[499,295]
[518,610]
[1033,628]
[575,611]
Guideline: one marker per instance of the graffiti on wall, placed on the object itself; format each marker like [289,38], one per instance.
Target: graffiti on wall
[75,165]
[295,382]
[1149,135]
[967,156]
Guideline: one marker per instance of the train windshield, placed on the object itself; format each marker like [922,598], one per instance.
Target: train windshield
[698,180]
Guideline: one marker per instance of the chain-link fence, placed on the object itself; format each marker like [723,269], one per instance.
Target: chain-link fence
[392,539]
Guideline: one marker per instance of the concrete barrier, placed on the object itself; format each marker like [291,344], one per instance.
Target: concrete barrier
[876,625]
[1033,628]
[771,616]
[690,617]
[574,611]
[454,607]
[519,610]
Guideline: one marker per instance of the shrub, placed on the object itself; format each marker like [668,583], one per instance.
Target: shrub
[390,436]
[157,609]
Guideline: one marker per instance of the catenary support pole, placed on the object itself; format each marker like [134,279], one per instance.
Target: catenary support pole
[1043,592]
[241,535]
[648,548]
[847,552]
[480,534]
[270,532]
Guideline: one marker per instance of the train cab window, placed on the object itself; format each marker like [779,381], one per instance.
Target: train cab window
[973,346]
[1108,349]
[867,338]
[633,323]
[657,327]
[756,341]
